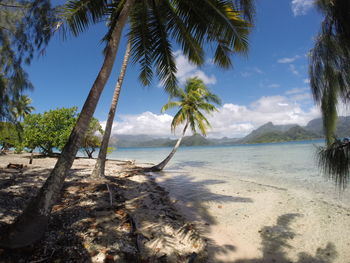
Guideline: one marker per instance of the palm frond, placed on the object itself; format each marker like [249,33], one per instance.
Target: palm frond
[179,118]
[78,15]
[334,161]
[170,105]
[194,97]
[247,8]
[142,41]
[162,51]
[190,45]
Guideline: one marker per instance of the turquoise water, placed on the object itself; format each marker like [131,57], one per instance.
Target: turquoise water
[287,165]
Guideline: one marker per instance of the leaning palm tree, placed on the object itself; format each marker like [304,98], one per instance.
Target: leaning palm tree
[146,71]
[192,101]
[329,72]
[99,169]
[153,24]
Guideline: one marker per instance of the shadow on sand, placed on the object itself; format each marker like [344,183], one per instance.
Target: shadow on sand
[274,239]
[274,243]
[85,225]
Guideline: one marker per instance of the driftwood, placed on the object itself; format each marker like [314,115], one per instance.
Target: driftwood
[15,166]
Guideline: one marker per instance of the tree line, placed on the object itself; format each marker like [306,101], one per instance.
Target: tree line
[47,132]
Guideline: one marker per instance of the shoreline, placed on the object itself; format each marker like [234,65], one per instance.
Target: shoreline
[253,222]
[248,221]
[138,224]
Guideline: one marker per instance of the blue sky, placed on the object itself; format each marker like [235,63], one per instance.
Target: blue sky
[270,84]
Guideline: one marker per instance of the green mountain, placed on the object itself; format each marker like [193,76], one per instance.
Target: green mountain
[265,130]
[264,134]
[149,141]
[278,133]
[343,126]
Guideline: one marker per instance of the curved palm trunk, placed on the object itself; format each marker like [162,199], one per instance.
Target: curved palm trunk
[161,165]
[99,169]
[31,224]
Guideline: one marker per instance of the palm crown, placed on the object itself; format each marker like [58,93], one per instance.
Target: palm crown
[154,23]
[193,100]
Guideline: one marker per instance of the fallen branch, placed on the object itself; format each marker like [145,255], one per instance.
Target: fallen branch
[110,195]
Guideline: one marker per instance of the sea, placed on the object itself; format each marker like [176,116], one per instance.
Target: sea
[282,165]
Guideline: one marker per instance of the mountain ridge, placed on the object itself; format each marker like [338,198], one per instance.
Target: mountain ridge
[266,133]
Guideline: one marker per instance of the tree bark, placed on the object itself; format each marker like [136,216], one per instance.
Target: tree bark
[99,170]
[31,224]
[162,164]
[31,157]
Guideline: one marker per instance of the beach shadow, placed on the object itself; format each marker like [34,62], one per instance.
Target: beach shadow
[183,164]
[274,243]
[83,209]
[17,187]
[193,194]
[193,198]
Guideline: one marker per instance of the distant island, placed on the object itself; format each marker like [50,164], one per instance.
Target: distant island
[267,133]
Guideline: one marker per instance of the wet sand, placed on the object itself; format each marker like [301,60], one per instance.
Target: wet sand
[247,221]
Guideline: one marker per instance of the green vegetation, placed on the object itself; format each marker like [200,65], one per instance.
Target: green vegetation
[25,26]
[192,101]
[91,140]
[8,136]
[279,133]
[11,133]
[49,130]
[295,133]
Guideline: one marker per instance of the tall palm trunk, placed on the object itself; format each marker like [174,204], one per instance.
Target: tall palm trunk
[161,165]
[31,224]
[99,169]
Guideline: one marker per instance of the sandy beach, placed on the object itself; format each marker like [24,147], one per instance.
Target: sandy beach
[125,218]
[248,223]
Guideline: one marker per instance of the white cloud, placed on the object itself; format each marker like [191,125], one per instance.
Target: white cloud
[302,97]
[250,71]
[306,81]
[301,7]
[293,69]
[296,90]
[246,74]
[299,94]
[288,60]
[144,123]
[274,86]
[258,70]
[231,120]
[186,69]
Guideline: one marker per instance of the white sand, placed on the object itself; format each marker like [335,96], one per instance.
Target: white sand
[252,222]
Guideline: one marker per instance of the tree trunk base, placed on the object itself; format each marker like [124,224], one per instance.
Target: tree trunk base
[152,169]
[99,168]
[23,234]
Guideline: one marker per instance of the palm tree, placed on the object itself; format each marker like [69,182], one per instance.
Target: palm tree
[330,83]
[190,23]
[21,108]
[99,170]
[146,72]
[192,101]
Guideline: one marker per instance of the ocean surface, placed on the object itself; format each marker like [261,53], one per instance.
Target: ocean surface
[284,165]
